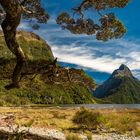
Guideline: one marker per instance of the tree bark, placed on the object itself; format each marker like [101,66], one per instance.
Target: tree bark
[9,26]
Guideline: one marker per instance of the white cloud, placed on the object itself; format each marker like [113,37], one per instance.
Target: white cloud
[86,51]
[86,58]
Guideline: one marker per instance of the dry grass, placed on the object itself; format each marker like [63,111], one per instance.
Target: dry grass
[121,120]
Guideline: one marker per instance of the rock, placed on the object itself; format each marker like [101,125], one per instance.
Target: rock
[122,72]
[58,135]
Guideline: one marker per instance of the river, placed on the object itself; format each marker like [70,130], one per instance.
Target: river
[104,106]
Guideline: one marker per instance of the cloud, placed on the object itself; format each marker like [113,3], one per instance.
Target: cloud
[86,51]
[86,58]
[137,73]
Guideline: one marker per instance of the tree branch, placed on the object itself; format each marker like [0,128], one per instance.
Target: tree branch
[79,8]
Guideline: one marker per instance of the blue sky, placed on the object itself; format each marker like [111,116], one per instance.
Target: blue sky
[98,58]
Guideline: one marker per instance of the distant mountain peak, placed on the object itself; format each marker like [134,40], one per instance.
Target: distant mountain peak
[123,71]
[123,66]
[121,87]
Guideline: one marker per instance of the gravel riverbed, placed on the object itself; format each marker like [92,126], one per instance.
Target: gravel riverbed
[51,134]
[7,125]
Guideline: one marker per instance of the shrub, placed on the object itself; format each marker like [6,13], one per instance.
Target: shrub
[89,136]
[126,119]
[137,132]
[86,118]
[73,137]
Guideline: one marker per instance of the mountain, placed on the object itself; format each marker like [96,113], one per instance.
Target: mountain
[121,87]
[41,83]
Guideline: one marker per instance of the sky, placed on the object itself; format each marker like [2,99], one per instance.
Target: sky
[99,59]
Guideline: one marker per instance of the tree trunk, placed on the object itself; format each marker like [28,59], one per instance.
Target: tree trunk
[9,26]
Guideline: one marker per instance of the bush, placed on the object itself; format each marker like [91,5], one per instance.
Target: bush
[73,137]
[86,118]
[89,136]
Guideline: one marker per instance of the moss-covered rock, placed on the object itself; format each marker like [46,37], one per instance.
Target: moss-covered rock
[66,86]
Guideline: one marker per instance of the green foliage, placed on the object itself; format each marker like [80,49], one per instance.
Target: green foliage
[108,26]
[34,47]
[88,119]
[47,94]
[40,90]
[80,24]
[89,78]
[126,93]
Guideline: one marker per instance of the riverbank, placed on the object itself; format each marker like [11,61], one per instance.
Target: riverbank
[52,134]
[57,123]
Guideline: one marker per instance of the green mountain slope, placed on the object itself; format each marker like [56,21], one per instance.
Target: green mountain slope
[34,47]
[128,92]
[66,86]
[121,87]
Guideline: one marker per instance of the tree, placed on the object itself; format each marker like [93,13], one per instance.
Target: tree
[106,28]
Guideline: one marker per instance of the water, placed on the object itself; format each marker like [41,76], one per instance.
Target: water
[92,106]
[104,106]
